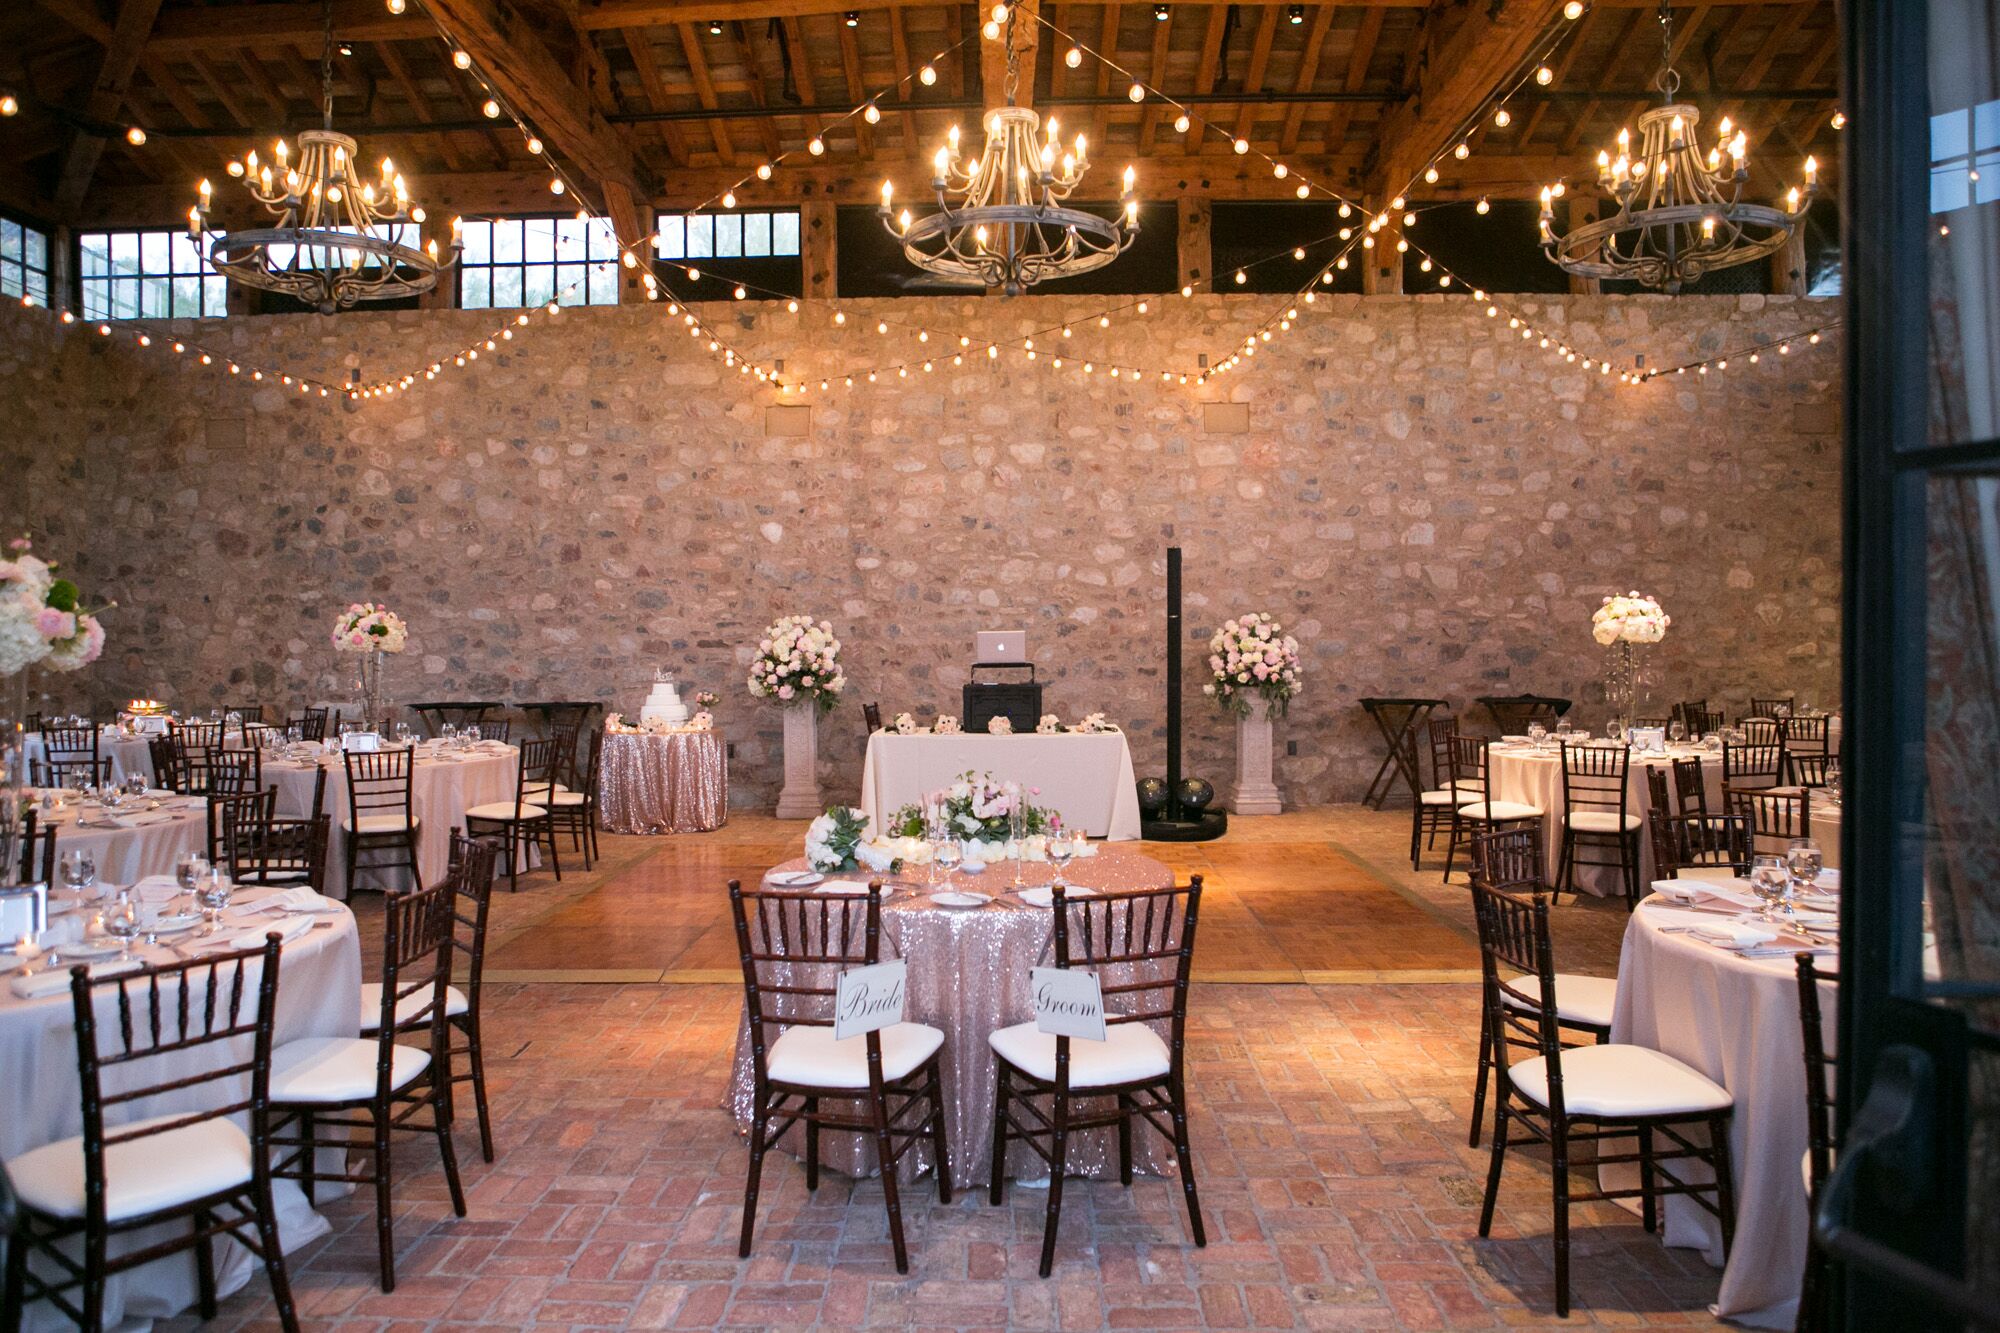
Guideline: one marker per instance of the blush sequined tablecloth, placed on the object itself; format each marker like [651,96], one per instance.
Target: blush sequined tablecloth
[968,976]
[673,782]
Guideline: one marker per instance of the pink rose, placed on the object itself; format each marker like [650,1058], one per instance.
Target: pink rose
[54,624]
[784,691]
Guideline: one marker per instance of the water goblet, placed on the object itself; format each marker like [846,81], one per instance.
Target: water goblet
[1768,880]
[1537,734]
[1677,731]
[189,871]
[79,874]
[214,897]
[1615,729]
[1563,728]
[1804,859]
[948,856]
[1062,850]
[121,923]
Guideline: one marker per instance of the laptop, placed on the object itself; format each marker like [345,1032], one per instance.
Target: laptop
[1000,647]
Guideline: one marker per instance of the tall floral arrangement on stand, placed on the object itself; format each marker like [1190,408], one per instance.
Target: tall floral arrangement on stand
[1622,623]
[1252,656]
[371,631]
[798,658]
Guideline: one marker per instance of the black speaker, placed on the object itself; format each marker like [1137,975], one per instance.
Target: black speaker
[1019,701]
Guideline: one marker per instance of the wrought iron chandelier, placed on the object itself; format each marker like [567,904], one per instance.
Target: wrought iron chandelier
[334,243]
[1001,220]
[1681,213]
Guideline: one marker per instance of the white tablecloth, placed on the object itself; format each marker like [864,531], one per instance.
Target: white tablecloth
[1535,777]
[153,842]
[441,790]
[319,995]
[1087,779]
[128,754]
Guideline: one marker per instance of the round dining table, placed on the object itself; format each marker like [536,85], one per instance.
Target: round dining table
[1735,1019]
[444,783]
[1523,772]
[319,995]
[128,754]
[968,976]
[663,782]
[144,836]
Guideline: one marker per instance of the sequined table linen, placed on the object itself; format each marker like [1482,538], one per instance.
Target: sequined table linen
[676,782]
[968,976]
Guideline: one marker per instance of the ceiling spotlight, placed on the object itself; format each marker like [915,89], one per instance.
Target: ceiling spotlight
[715,27]
[1159,13]
[852,18]
[135,136]
[1297,13]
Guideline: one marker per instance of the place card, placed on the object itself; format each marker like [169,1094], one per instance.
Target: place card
[868,999]
[1068,1002]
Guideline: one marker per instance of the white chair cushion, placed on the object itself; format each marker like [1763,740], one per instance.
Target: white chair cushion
[566,800]
[505,810]
[810,1057]
[409,1007]
[379,824]
[318,1070]
[1129,1051]
[1599,821]
[534,791]
[1499,810]
[1581,1000]
[1441,797]
[1621,1082]
[141,1176]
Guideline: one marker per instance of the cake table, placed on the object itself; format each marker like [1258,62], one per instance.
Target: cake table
[663,782]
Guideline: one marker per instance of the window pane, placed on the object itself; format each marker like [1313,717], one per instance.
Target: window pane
[96,248]
[538,240]
[475,289]
[215,296]
[506,287]
[10,239]
[728,236]
[540,284]
[38,249]
[125,251]
[757,234]
[12,280]
[507,241]
[673,237]
[700,236]
[478,239]
[603,241]
[125,298]
[153,253]
[784,233]
[38,287]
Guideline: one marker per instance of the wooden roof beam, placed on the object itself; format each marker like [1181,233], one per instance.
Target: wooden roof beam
[1260,63]
[1211,65]
[993,57]
[899,49]
[1308,75]
[1359,57]
[653,90]
[857,89]
[420,105]
[1156,75]
[107,94]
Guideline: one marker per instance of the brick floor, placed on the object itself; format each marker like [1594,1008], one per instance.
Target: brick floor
[1329,1137]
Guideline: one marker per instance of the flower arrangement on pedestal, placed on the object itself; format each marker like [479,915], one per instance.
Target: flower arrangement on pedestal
[1622,623]
[370,630]
[42,618]
[798,659]
[1252,656]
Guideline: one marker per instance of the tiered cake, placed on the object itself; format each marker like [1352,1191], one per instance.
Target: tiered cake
[664,704]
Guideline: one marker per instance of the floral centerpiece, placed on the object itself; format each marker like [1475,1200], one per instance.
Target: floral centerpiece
[370,630]
[946,725]
[905,725]
[979,812]
[1622,623]
[1000,725]
[42,618]
[1093,724]
[832,838]
[798,659]
[1253,656]
[1049,725]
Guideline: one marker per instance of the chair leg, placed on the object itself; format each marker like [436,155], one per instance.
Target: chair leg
[1632,873]
[1125,1113]
[17,1284]
[204,1263]
[756,1172]
[1001,1083]
[1479,1079]
[385,1238]
[1058,1161]
[475,1053]
[1566,865]
[1725,1180]
[1185,1151]
[274,1257]
[1559,1182]
[812,1144]
[1495,1162]
[935,1093]
[309,1155]
[93,1282]
[1416,834]
[1451,848]
[441,1120]
[1648,1214]
[885,1153]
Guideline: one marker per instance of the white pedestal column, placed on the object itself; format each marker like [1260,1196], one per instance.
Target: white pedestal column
[800,799]
[1255,793]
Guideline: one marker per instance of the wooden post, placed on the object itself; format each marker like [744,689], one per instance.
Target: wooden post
[1382,266]
[819,248]
[632,281]
[1790,275]
[436,226]
[1197,256]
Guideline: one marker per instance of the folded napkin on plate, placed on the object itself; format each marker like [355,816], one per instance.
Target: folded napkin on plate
[1704,891]
[103,821]
[298,899]
[1735,934]
[55,980]
[844,887]
[156,888]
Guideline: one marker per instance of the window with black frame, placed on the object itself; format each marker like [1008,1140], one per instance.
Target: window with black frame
[157,274]
[24,262]
[756,249]
[511,262]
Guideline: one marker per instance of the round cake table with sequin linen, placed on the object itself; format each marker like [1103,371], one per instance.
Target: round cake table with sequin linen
[968,976]
[670,782]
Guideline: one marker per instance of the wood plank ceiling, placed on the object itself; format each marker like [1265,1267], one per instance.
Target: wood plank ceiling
[663,103]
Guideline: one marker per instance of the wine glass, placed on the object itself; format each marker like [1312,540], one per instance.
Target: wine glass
[948,856]
[1677,731]
[1615,729]
[121,923]
[1537,733]
[1768,880]
[1017,833]
[79,874]
[214,893]
[1804,860]
[189,871]
[1062,850]
[1563,729]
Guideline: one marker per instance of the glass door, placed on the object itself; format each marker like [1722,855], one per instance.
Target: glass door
[1911,1216]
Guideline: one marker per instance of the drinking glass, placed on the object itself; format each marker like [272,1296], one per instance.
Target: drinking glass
[1537,733]
[79,874]
[1563,728]
[1677,731]
[214,897]
[1062,850]
[1804,860]
[1616,729]
[1769,880]
[189,871]
[121,923]
[948,856]
[1017,833]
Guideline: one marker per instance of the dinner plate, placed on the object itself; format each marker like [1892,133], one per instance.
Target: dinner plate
[795,879]
[953,898]
[85,949]
[172,923]
[1043,895]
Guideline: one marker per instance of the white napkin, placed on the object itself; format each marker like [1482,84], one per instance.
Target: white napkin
[843,887]
[54,981]
[1735,934]
[297,899]
[1704,891]
[102,820]
[287,930]
[156,889]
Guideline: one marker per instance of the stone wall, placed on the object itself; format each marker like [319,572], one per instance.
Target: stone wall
[1431,505]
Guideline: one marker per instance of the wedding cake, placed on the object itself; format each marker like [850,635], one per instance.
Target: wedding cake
[664,703]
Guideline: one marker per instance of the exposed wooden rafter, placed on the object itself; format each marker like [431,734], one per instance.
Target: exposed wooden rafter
[107,95]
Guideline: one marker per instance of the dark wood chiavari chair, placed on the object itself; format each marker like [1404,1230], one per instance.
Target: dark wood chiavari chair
[1472,776]
[380,818]
[1430,813]
[1758,731]
[1587,1094]
[1776,816]
[285,852]
[521,821]
[310,724]
[1809,770]
[70,772]
[1660,722]
[1690,787]
[1596,816]
[1688,709]
[166,758]
[1704,722]
[497,729]
[1685,842]
[193,1166]
[1141,946]
[38,851]
[871,722]
[1752,765]
[70,757]
[575,810]
[373,1085]
[469,879]
[233,772]
[793,947]
[234,819]
[248,714]
[1513,861]
[1818,1162]
[1772,708]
